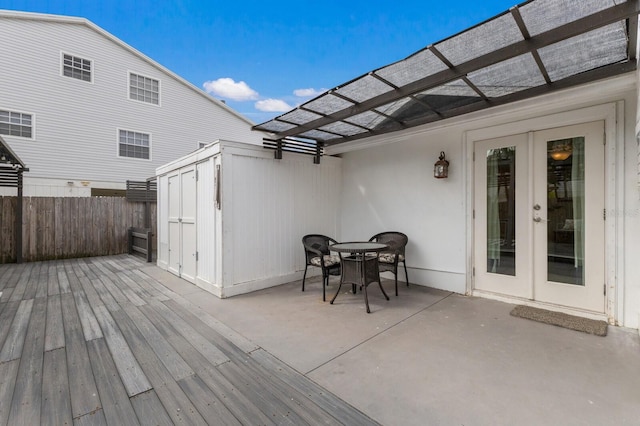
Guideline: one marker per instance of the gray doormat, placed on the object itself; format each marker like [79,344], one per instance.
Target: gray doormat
[586,325]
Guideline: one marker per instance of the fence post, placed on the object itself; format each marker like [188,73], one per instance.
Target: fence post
[130,240]
[18,223]
[149,248]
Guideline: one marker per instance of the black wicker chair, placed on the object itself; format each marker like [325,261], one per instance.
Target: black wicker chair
[317,253]
[389,258]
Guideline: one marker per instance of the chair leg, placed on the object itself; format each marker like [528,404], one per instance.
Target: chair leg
[405,273]
[304,276]
[325,283]
[395,274]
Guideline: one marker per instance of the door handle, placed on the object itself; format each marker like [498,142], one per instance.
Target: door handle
[537,219]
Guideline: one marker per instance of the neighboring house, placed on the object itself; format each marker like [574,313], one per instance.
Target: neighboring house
[537,112]
[86,112]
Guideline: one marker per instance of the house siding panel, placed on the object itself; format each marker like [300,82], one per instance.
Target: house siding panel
[77,122]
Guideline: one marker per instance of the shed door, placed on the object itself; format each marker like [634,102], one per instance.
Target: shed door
[174,223]
[188,224]
[182,223]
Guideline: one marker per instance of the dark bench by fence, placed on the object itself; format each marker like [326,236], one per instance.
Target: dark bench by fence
[140,241]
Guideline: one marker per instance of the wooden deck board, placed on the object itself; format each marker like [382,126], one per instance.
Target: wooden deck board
[95,418]
[8,375]
[187,352]
[6,319]
[53,286]
[82,386]
[320,396]
[181,328]
[90,327]
[127,290]
[33,282]
[100,342]
[176,403]
[54,336]
[270,406]
[237,402]
[6,274]
[144,282]
[21,284]
[212,409]
[171,359]
[89,290]
[84,265]
[116,405]
[181,305]
[150,410]
[113,289]
[225,344]
[12,347]
[42,286]
[131,373]
[296,401]
[63,280]
[56,399]
[27,403]
[155,284]
[134,292]
[105,296]
[71,277]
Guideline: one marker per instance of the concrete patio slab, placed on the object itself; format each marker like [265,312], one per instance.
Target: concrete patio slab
[432,357]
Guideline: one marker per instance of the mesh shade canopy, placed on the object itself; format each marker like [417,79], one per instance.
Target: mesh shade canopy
[536,47]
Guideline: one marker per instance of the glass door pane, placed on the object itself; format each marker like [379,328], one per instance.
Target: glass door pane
[501,209]
[565,211]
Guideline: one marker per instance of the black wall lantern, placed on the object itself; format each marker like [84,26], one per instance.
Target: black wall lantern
[441,168]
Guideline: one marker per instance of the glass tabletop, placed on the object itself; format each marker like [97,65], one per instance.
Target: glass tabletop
[358,247]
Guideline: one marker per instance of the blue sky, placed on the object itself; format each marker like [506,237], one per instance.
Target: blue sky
[265,57]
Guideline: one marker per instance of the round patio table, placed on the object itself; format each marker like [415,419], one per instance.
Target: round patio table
[359,266]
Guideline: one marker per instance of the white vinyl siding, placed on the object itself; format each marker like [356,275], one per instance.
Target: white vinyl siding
[134,144]
[14,123]
[75,123]
[144,89]
[76,67]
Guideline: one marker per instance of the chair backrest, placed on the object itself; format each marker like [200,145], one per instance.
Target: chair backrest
[397,241]
[316,242]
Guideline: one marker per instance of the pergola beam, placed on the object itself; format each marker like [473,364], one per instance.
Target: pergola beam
[586,77]
[583,25]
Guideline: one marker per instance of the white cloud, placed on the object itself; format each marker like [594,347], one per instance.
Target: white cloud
[227,88]
[272,105]
[308,93]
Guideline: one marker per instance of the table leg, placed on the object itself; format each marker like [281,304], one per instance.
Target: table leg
[366,299]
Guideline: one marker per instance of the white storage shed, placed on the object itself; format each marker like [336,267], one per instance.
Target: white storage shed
[231,217]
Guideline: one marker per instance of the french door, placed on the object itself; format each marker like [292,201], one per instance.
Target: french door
[539,216]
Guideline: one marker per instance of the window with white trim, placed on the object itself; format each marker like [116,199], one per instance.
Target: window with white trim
[76,67]
[134,144]
[16,124]
[144,89]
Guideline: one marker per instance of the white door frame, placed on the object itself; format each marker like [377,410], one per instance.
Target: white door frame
[614,134]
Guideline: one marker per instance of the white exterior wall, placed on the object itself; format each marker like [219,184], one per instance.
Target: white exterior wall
[255,240]
[76,122]
[388,184]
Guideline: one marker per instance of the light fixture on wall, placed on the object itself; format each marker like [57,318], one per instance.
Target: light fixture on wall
[561,151]
[441,168]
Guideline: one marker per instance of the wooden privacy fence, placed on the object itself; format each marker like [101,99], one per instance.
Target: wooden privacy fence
[57,228]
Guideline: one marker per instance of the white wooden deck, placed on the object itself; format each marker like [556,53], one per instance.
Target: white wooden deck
[98,341]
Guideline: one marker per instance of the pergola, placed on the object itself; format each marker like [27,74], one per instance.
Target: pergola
[11,170]
[537,47]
